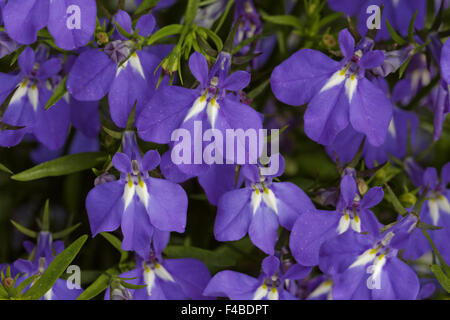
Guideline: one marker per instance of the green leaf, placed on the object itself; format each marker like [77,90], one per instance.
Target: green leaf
[113,240]
[46,216]
[25,283]
[55,269]
[212,259]
[146,5]
[116,243]
[384,174]
[224,16]
[164,32]
[395,36]
[65,232]
[112,133]
[191,11]
[99,285]
[16,55]
[122,31]
[441,276]
[244,43]
[132,286]
[62,166]
[392,198]
[59,92]
[284,20]
[214,37]
[24,230]
[5,169]
[411,27]
[436,251]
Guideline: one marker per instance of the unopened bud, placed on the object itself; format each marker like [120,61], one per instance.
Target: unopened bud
[8,282]
[102,38]
[362,186]
[104,178]
[408,200]
[329,40]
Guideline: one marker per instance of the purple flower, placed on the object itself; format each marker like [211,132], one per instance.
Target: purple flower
[436,208]
[352,214]
[398,12]
[338,94]
[7,45]
[70,22]
[402,128]
[250,24]
[42,255]
[259,208]
[166,279]
[136,202]
[211,104]
[26,107]
[96,73]
[270,285]
[367,268]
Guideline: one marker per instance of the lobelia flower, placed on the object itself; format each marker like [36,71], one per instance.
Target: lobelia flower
[7,45]
[26,107]
[136,202]
[206,16]
[97,72]
[320,288]
[210,105]
[338,94]
[441,99]
[42,256]
[250,24]
[436,208]
[352,214]
[270,285]
[259,208]
[402,129]
[70,22]
[398,12]
[364,267]
[166,279]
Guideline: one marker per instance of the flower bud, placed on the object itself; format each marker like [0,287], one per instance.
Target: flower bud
[102,38]
[408,200]
[104,178]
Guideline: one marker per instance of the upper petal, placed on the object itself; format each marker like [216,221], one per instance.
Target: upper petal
[296,80]
[91,76]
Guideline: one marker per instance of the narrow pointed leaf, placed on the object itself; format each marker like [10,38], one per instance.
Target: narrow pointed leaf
[62,166]
[55,269]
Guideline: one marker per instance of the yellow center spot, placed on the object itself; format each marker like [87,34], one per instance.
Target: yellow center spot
[381,256]
[274,290]
[257,191]
[147,269]
[264,286]
[134,55]
[130,183]
[266,191]
[373,251]
[202,98]
[441,197]
[141,183]
[357,219]
[157,266]
[353,77]
[347,217]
